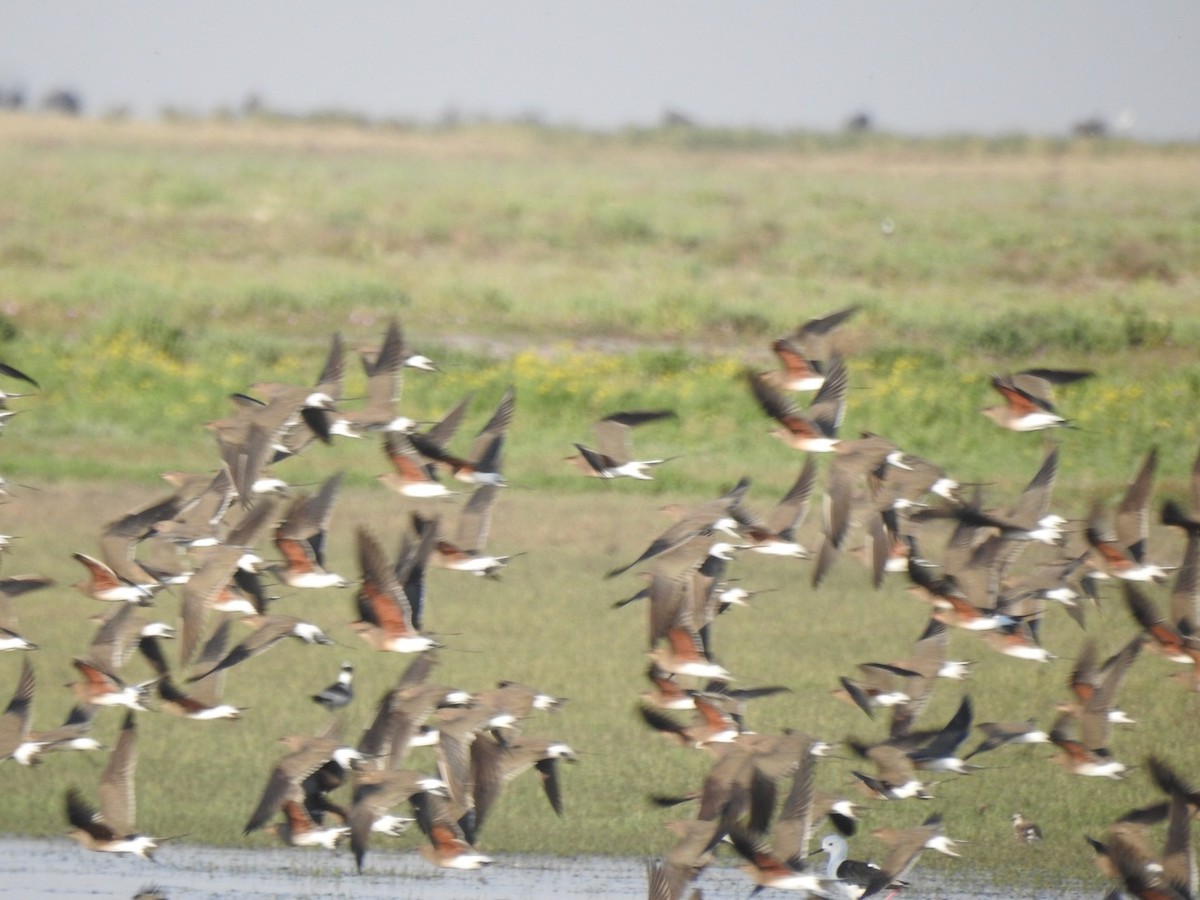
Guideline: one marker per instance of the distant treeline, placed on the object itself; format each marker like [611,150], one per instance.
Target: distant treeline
[68,101]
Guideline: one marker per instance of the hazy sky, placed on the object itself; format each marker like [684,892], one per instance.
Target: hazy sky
[914,65]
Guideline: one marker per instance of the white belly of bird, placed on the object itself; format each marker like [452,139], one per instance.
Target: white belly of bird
[701,669]
[129,593]
[1146,572]
[806,383]
[324,837]
[427,738]
[249,561]
[1037,654]
[734,595]
[393,826]
[316,580]
[224,711]
[943,844]
[417,644]
[955,669]
[478,564]
[401,423]
[1037,421]
[269,486]
[944,487]
[1032,737]
[468,861]
[79,743]
[819,445]
[1111,768]
[27,752]
[720,737]
[908,789]
[425,489]
[486,478]
[127,697]
[635,469]
[983,623]
[236,605]
[1046,535]
[1064,595]
[343,428]
[946,764]
[684,702]
[781,548]
[137,844]
[800,881]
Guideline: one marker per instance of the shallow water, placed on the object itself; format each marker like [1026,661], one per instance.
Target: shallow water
[58,868]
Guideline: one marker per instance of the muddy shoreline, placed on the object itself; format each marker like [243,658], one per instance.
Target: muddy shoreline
[58,868]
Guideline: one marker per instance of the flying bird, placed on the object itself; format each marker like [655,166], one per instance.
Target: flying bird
[613,456]
[1028,403]
[110,828]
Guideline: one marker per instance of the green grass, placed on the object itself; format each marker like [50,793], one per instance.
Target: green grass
[148,272]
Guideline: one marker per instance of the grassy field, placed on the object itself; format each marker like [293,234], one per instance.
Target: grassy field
[150,270]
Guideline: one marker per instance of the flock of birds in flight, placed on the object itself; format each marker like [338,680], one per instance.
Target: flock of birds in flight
[202,540]
[760,795]
[892,496]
